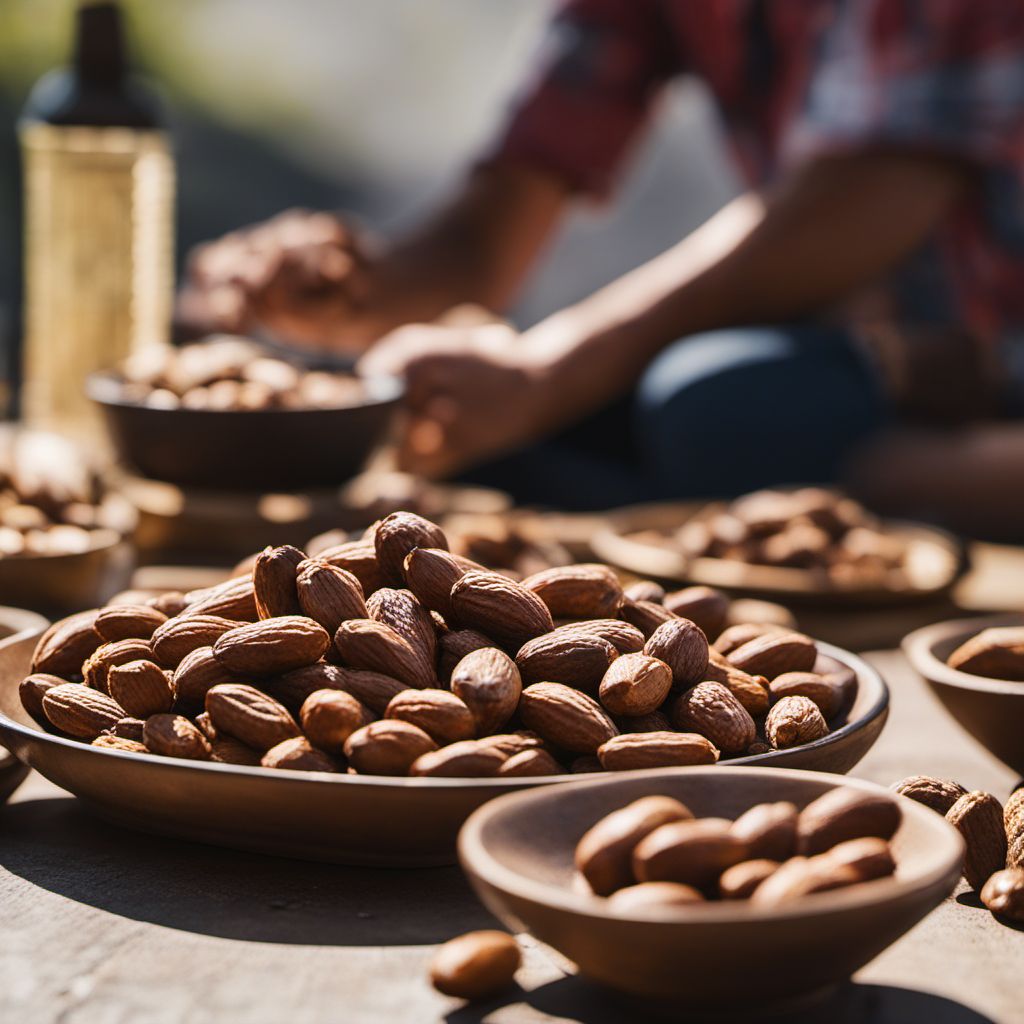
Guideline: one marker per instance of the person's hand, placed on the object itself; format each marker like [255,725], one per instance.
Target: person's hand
[302,276]
[471,393]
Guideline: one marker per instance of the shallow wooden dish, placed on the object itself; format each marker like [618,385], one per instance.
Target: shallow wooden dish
[720,957]
[937,561]
[991,710]
[343,818]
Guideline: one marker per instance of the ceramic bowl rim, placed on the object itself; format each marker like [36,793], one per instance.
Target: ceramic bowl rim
[7,759]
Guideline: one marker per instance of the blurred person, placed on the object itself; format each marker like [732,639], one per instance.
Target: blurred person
[873,273]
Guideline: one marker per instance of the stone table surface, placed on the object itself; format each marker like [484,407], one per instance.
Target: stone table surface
[106,926]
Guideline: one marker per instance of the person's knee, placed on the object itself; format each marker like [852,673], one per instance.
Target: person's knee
[698,367]
[734,410]
[686,403]
[695,381]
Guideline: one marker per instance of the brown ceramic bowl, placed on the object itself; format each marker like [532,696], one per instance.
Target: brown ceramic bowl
[265,450]
[344,818]
[59,584]
[14,624]
[991,710]
[725,957]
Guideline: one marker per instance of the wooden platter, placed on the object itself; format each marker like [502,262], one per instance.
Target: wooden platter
[639,540]
[352,819]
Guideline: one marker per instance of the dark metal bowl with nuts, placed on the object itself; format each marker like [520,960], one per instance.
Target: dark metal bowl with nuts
[225,415]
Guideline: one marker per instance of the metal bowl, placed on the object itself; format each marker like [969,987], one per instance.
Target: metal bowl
[268,450]
[343,818]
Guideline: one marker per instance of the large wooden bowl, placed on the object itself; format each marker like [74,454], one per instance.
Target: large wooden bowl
[720,957]
[344,818]
[991,710]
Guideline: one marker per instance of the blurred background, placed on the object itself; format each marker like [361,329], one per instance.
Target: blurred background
[374,108]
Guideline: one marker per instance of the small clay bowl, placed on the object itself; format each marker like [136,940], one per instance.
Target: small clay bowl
[991,710]
[59,584]
[717,957]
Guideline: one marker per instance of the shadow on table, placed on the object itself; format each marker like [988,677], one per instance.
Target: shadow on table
[573,999]
[973,900]
[872,629]
[56,845]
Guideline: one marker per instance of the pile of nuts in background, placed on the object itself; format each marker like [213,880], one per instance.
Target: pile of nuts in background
[392,656]
[230,374]
[51,502]
[812,528]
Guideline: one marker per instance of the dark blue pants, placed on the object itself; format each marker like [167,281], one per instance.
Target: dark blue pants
[715,415]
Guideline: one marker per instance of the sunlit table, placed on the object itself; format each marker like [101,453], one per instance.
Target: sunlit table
[99,925]
[105,926]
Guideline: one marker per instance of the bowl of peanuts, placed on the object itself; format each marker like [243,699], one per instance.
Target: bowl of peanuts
[358,704]
[228,415]
[741,891]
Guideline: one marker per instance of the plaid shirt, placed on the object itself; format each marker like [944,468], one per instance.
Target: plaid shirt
[793,78]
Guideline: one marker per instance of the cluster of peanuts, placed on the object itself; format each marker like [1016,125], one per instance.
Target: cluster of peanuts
[812,528]
[654,854]
[230,374]
[390,655]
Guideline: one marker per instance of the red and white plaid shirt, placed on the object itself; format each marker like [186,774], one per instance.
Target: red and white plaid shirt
[793,78]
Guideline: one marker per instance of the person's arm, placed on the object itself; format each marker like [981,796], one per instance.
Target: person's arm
[599,68]
[478,249]
[832,227]
[314,280]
